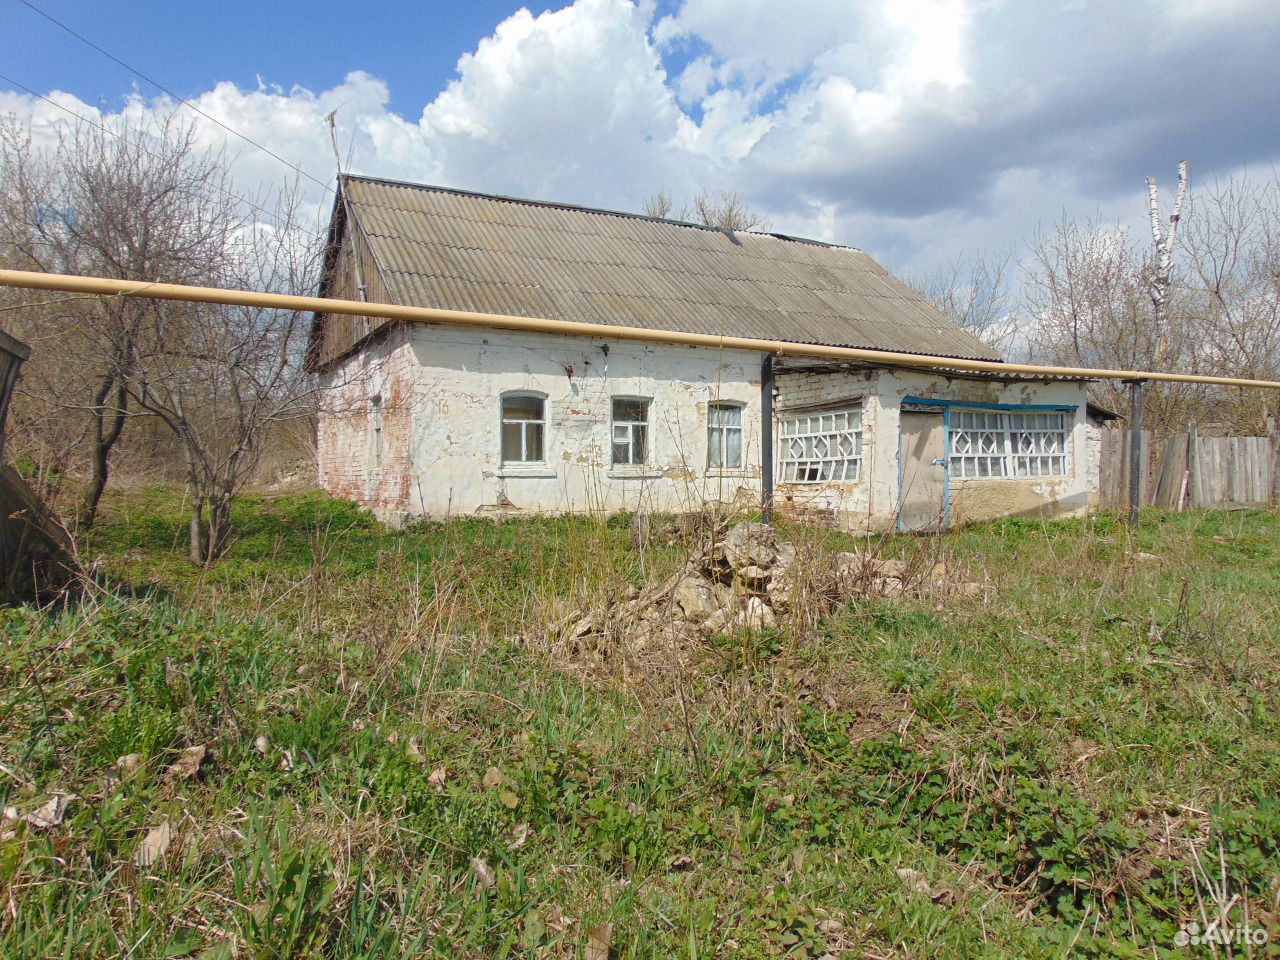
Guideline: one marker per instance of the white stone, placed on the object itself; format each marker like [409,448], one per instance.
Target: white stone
[696,598]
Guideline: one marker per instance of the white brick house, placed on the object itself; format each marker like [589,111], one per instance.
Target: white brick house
[434,420]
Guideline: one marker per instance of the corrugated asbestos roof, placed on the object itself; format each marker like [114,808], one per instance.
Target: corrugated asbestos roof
[463,251]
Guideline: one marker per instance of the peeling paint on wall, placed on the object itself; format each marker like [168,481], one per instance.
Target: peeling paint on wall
[871,504]
[453,380]
[437,391]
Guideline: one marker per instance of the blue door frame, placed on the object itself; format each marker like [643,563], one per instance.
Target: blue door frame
[947,406]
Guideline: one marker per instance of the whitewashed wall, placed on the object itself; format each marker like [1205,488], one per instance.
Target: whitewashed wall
[454,464]
[872,503]
[362,451]
[1093,461]
[438,418]
[855,505]
[976,499]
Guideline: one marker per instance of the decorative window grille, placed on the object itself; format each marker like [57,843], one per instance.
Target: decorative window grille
[1008,444]
[524,425]
[630,431]
[724,436]
[821,447]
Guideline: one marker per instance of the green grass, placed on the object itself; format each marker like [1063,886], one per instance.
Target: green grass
[1077,762]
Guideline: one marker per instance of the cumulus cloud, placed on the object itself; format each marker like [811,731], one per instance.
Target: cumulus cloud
[572,104]
[918,129]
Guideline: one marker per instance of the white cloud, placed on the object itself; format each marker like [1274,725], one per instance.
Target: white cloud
[696,80]
[763,41]
[932,45]
[572,105]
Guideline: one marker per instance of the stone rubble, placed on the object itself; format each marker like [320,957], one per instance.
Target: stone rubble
[743,577]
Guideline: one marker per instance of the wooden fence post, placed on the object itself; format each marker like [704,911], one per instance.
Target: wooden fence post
[1274,432]
[1193,464]
[1135,453]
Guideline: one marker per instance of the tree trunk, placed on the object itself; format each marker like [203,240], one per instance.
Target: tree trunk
[219,526]
[107,426]
[195,529]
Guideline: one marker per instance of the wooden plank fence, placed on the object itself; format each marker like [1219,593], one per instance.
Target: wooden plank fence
[1188,470]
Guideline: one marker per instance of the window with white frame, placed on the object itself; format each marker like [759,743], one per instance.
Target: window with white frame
[724,436]
[630,431]
[821,447]
[999,443]
[524,425]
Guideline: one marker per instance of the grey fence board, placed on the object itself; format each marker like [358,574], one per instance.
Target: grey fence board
[1190,470]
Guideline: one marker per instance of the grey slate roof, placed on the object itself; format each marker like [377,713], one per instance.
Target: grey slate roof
[446,248]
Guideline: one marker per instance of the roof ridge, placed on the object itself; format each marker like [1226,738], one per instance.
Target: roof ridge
[580,208]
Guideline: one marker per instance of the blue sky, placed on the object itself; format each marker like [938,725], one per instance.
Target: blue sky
[921,130]
[189,46]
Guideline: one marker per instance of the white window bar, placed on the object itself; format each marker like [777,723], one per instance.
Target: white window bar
[724,436]
[630,431]
[821,447]
[523,427]
[990,443]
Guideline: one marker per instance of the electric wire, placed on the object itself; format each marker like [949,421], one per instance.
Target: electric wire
[315,235]
[185,102]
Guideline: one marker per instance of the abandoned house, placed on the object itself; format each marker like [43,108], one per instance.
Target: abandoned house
[438,419]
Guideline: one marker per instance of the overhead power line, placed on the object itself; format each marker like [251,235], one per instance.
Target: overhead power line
[185,102]
[155,156]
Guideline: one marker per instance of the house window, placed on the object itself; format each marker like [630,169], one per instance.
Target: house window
[821,447]
[630,431]
[524,424]
[724,436]
[1009,444]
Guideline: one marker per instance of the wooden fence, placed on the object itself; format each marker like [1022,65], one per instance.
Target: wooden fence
[1188,470]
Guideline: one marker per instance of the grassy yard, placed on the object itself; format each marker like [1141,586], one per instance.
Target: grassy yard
[401,760]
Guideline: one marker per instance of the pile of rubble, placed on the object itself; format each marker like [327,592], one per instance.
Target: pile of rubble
[744,578]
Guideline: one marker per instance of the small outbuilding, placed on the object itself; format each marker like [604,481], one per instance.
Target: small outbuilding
[435,420]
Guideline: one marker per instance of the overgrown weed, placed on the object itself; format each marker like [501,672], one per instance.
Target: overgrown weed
[395,769]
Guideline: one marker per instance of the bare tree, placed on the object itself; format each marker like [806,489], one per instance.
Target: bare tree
[724,211]
[1088,293]
[1163,243]
[143,204]
[975,294]
[1210,304]
[1232,242]
[223,378]
[131,202]
[659,205]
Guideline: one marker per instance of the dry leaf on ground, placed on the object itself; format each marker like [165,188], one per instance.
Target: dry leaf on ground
[51,814]
[519,836]
[154,845]
[484,874]
[187,765]
[599,941]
